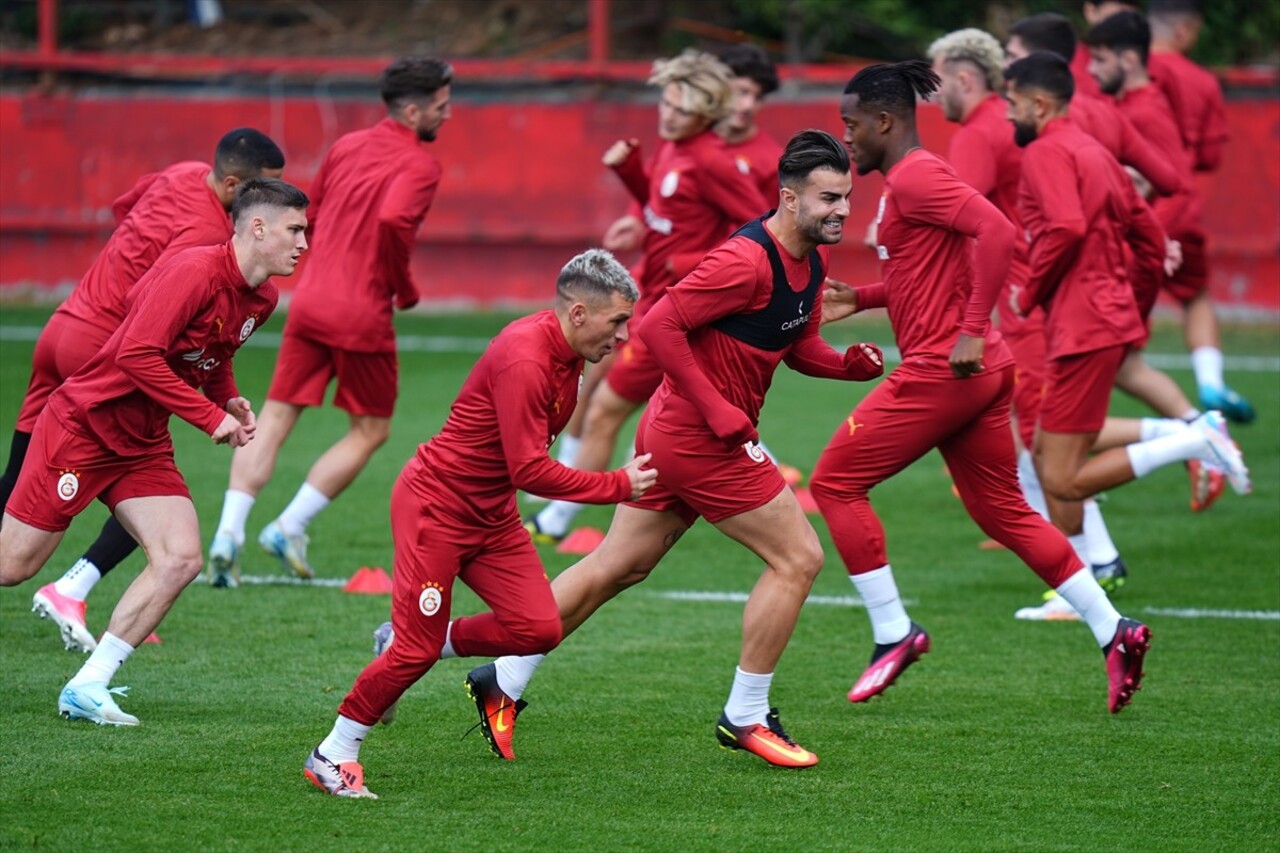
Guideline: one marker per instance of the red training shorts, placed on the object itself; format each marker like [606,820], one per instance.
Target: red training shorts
[66,345]
[63,472]
[1078,390]
[367,381]
[1192,278]
[699,476]
[634,374]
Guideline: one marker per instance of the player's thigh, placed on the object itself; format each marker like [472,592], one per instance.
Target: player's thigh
[777,532]
[509,577]
[430,550]
[982,457]
[303,370]
[368,383]
[637,540]
[903,418]
[165,526]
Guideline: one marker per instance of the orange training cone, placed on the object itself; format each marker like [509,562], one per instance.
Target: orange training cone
[584,540]
[807,503]
[369,581]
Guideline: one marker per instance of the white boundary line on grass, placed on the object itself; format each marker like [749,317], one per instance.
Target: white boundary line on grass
[816,600]
[458,344]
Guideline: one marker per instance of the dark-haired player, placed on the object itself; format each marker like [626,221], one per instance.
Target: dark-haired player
[1193,92]
[453,509]
[719,335]
[1119,46]
[945,252]
[1081,210]
[105,431]
[370,196]
[693,194]
[182,206]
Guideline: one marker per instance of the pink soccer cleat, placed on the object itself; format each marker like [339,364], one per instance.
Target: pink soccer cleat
[887,663]
[1124,662]
[68,614]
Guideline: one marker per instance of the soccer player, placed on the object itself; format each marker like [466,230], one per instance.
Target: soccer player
[719,335]
[1094,11]
[946,252]
[1119,47]
[453,509]
[1193,92]
[105,435]
[1080,209]
[166,212]
[694,195]
[371,194]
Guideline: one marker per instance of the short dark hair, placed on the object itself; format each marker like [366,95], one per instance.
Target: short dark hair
[414,77]
[749,60]
[1043,70]
[272,192]
[1174,7]
[893,87]
[1122,31]
[807,151]
[1046,31]
[245,153]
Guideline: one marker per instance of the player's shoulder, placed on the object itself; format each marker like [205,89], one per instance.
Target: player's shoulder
[524,339]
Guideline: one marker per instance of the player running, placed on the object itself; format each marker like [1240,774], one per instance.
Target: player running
[105,433]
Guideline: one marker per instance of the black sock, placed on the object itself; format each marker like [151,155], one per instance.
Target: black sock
[17,453]
[111,547]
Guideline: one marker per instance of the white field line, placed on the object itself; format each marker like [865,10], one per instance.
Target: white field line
[816,600]
[458,344]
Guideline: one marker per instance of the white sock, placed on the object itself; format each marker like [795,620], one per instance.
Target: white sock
[1190,415]
[555,518]
[567,449]
[514,673]
[1147,456]
[1083,593]
[1081,546]
[235,512]
[1097,539]
[78,580]
[1160,427]
[305,505]
[343,743]
[1030,482]
[1207,364]
[447,650]
[889,621]
[101,666]
[749,699]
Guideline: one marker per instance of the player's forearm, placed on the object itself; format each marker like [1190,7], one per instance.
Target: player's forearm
[147,369]
[221,385]
[631,172]
[546,477]
[993,252]
[813,356]
[1052,254]
[664,333]
[872,296]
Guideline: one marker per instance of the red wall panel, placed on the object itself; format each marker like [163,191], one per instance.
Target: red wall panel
[523,187]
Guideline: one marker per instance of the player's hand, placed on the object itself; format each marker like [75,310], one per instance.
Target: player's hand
[1172,256]
[839,300]
[624,235]
[239,408]
[619,152]
[966,356]
[1140,183]
[863,361]
[641,478]
[732,426]
[406,301]
[231,432]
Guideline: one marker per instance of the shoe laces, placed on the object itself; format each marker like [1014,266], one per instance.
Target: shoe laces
[119,691]
[775,725]
[516,707]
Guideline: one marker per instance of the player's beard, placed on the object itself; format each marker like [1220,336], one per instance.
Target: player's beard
[1024,134]
[810,228]
[1111,85]
[427,134]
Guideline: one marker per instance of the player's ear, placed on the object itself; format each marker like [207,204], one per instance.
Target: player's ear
[787,198]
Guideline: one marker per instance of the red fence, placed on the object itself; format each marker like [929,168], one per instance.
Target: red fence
[523,188]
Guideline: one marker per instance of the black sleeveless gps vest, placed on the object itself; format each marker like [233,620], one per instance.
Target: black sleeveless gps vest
[779,323]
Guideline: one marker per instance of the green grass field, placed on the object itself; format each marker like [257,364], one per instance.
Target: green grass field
[999,739]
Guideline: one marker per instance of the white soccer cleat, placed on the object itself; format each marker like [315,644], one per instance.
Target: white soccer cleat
[224,562]
[291,551]
[93,702]
[383,636]
[1222,451]
[68,614]
[1055,609]
[340,780]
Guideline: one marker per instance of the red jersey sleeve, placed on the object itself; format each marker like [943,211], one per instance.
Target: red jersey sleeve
[1135,151]
[1145,235]
[1214,132]
[872,296]
[519,390]
[634,176]
[403,208]
[1049,179]
[161,313]
[120,207]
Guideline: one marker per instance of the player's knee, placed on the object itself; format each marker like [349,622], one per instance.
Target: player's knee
[536,636]
[827,490]
[1062,486]
[374,432]
[804,562]
[179,567]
